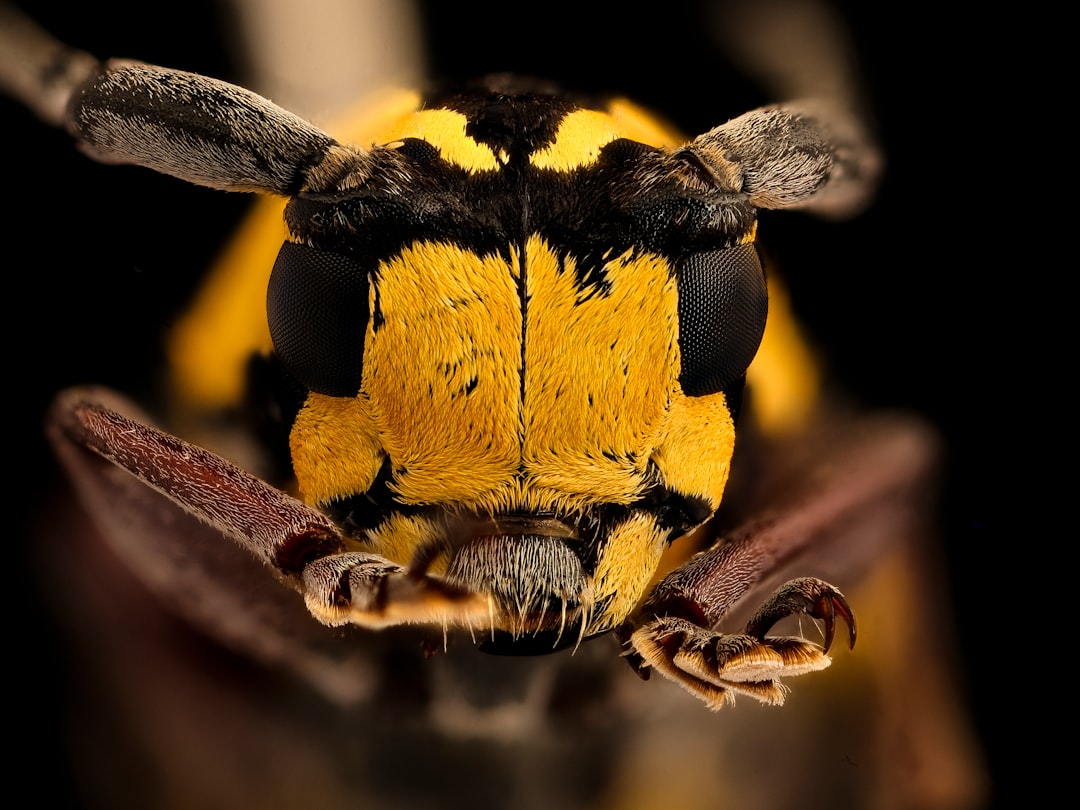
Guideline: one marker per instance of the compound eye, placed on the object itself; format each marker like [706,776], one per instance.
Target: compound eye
[722,307]
[317,307]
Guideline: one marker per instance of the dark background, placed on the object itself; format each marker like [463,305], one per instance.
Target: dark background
[99,258]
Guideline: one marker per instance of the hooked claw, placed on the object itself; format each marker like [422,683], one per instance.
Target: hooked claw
[814,597]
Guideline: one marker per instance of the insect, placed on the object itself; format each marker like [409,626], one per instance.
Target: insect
[513,457]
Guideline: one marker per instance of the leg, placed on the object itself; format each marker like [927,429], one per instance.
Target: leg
[847,501]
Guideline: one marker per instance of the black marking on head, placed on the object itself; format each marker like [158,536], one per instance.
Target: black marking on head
[359,513]
[674,512]
[512,115]
[605,208]
[413,196]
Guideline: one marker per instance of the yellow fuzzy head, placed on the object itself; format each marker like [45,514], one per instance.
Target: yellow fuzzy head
[522,335]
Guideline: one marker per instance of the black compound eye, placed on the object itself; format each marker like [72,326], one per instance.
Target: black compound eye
[317,306]
[722,307]
[419,150]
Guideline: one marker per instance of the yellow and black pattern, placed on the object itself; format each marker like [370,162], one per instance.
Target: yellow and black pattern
[521,325]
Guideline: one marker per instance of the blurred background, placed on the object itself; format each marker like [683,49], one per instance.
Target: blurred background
[101,259]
